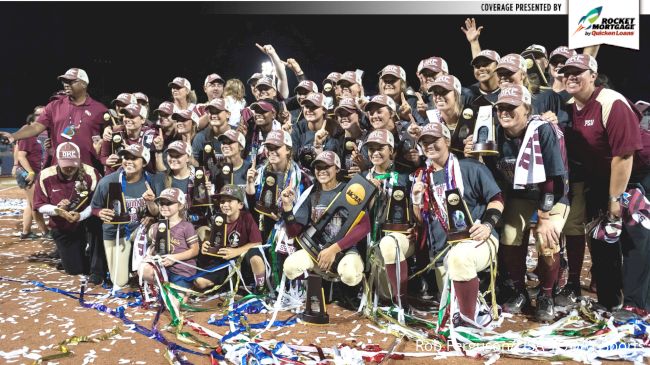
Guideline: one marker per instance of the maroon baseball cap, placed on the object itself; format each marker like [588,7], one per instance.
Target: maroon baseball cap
[329,158]
[212,78]
[136,150]
[279,138]
[316,99]
[535,49]
[180,147]
[254,77]
[265,81]
[75,74]
[447,82]
[435,129]
[174,195]
[233,135]
[435,64]
[562,51]
[135,110]
[514,95]
[381,136]
[180,82]
[307,85]
[262,107]
[125,98]
[393,70]
[512,62]
[165,107]
[68,155]
[486,54]
[349,76]
[382,100]
[141,97]
[348,104]
[580,61]
[217,103]
[333,77]
[182,115]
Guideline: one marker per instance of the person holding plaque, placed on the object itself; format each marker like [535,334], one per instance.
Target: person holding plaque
[138,190]
[183,243]
[233,144]
[472,218]
[64,192]
[218,119]
[241,238]
[446,93]
[342,256]
[348,115]
[532,170]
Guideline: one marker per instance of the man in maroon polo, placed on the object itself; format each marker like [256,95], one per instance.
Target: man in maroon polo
[75,118]
[607,139]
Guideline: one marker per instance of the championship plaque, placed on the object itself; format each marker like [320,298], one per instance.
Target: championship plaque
[535,73]
[464,128]
[162,241]
[223,174]
[306,155]
[484,133]
[218,233]
[200,193]
[117,144]
[208,158]
[80,196]
[458,216]
[267,203]
[397,212]
[116,202]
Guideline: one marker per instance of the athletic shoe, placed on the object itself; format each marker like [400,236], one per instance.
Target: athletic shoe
[517,302]
[568,296]
[544,311]
[29,236]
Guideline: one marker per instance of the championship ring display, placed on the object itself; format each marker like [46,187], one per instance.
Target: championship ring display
[200,193]
[117,204]
[459,219]
[397,212]
[267,202]
[218,232]
[484,133]
[464,128]
[162,241]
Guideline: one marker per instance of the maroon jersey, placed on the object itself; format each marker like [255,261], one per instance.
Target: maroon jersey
[182,237]
[67,122]
[52,188]
[34,152]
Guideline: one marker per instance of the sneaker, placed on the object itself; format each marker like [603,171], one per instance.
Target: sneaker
[54,254]
[458,321]
[568,296]
[624,315]
[517,302]
[95,279]
[545,311]
[59,266]
[29,236]
[48,235]
[261,290]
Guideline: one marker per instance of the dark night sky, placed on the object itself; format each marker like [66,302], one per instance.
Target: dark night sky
[142,46]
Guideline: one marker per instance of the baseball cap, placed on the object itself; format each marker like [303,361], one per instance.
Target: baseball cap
[278,138]
[141,97]
[536,50]
[254,77]
[349,76]
[75,74]
[435,64]
[136,150]
[381,136]
[125,98]
[233,135]
[310,86]
[68,155]
[217,103]
[265,105]
[562,51]
[393,70]
[180,147]
[266,81]
[512,62]
[182,115]
[447,82]
[135,110]
[486,54]
[435,129]
[333,77]
[165,107]
[181,82]
[328,157]
[231,191]
[212,78]
[381,100]
[174,195]
[316,99]
[581,61]
[514,95]
[348,104]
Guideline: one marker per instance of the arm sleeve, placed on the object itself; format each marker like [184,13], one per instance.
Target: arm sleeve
[356,234]
[84,214]
[48,209]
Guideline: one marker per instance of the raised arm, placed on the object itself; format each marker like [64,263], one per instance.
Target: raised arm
[472,33]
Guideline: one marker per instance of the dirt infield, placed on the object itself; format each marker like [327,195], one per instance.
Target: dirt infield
[34,321]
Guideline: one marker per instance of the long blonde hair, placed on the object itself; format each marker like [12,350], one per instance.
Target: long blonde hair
[234,88]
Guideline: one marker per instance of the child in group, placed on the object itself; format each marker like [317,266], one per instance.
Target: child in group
[242,238]
[183,245]
[233,94]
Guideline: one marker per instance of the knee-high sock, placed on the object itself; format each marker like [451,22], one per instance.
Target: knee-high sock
[514,263]
[466,293]
[575,246]
[549,273]
[391,271]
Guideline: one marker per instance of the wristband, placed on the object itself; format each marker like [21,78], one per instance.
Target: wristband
[615,198]
[492,217]
[288,216]
[546,204]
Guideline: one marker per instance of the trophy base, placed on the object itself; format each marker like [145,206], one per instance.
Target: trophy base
[488,148]
[315,289]
[395,227]
[263,210]
[315,318]
[457,150]
[122,219]
[453,237]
